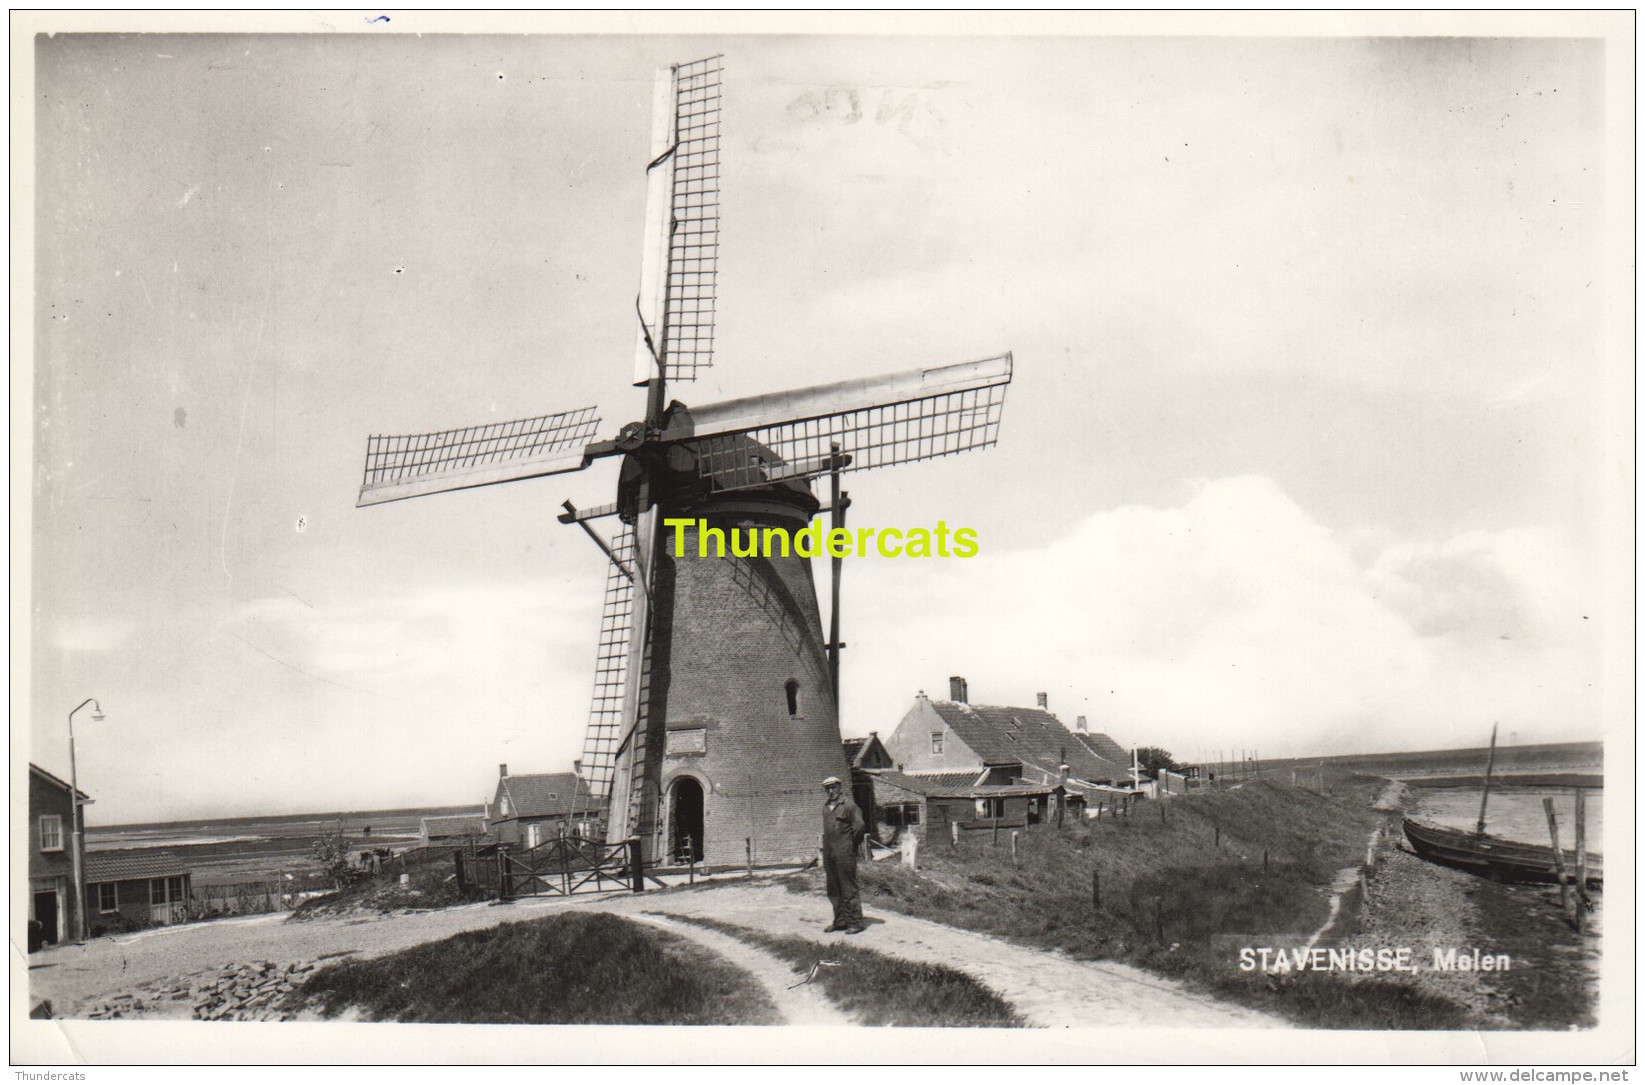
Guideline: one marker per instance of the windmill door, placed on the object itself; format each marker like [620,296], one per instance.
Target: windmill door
[685,821]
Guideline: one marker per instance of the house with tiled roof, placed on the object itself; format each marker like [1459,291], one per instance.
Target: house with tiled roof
[51,860]
[1002,746]
[130,888]
[533,808]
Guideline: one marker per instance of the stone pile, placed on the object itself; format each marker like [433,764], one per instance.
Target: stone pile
[258,991]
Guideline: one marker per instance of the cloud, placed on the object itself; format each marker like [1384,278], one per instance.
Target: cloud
[1237,620]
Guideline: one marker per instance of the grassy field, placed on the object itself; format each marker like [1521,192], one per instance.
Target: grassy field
[1177,888]
[876,989]
[588,969]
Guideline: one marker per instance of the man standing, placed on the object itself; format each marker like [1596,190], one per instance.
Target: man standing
[842,828]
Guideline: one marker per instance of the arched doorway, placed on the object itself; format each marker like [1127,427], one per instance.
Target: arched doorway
[685,820]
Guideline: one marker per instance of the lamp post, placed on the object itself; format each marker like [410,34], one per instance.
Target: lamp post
[78,853]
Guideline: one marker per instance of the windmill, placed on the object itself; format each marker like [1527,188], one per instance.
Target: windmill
[715,695]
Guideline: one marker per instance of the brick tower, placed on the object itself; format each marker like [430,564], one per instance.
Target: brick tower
[739,698]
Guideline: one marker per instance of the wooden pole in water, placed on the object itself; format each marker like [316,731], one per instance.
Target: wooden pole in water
[1581,861]
[1559,857]
[1485,793]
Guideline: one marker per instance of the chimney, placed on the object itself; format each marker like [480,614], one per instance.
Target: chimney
[1080,725]
[577,767]
[502,769]
[1042,700]
[957,690]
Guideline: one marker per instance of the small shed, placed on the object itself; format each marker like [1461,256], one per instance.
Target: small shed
[136,887]
[455,830]
[866,756]
[917,802]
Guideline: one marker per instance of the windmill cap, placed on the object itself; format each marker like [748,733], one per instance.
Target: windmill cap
[832,781]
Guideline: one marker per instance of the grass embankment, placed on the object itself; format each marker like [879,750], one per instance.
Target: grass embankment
[431,883]
[876,989]
[1171,898]
[575,969]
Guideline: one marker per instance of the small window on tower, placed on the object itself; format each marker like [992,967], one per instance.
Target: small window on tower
[792,689]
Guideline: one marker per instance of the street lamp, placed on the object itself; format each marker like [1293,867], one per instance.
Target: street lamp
[78,855]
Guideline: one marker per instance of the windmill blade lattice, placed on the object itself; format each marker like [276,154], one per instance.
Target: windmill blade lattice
[893,431]
[410,465]
[694,210]
[606,714]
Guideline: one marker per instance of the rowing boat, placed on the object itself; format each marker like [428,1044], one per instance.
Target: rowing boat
[1492,857]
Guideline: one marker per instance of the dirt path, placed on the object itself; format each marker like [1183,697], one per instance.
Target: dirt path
[1048,989]
[803,1005]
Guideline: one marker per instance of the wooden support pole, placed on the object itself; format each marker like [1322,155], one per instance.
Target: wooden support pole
[635,868]
[1559,859]
[1581,861]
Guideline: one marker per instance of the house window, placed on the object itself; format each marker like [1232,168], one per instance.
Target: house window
[936,742]
[108,900]
[163,889]
[991,808]
[899,815]
[51,832]
[791,689]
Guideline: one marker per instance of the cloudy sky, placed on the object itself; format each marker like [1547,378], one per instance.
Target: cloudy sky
[1320,438]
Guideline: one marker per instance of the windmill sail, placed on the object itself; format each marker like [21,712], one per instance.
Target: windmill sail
[415,464]
[680,275]
[920,414]
[605,714]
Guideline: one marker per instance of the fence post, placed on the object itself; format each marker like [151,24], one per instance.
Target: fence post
[1559,862]
[462,878]
[1096,889]
[1014,862]
[954,832]
[634,866]
[1581,861]
[505,879]
[748,850]
[1219,835]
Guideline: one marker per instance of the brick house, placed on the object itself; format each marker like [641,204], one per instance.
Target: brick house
[530,809]
[136,887]
[51,864]
[1011,764]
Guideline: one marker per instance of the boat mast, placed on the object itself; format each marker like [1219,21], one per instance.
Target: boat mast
[1485,795]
